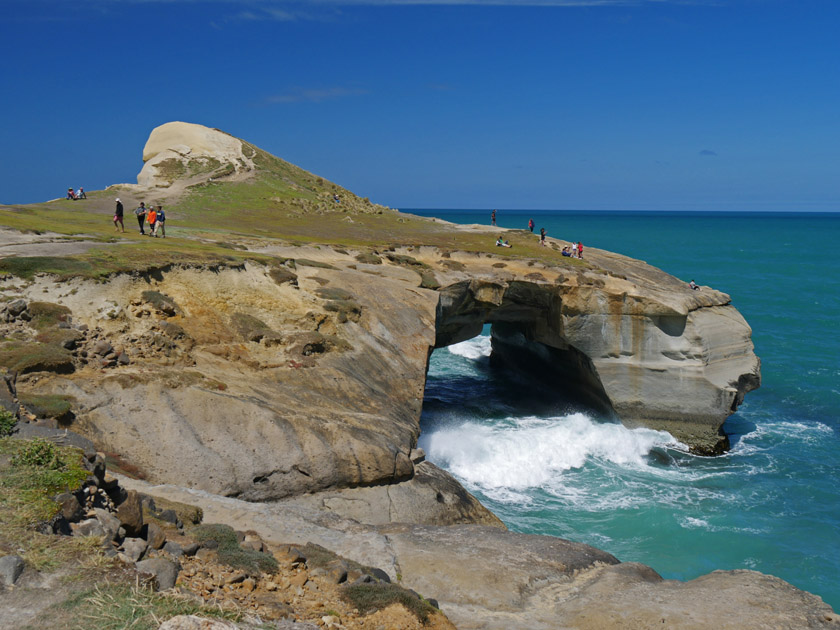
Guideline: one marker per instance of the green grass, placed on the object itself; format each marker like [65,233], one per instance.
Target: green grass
[35,357]
[123,607]
[280,201]
[8,421]
[374,596]
[47,406]
[36,473]
[230,553]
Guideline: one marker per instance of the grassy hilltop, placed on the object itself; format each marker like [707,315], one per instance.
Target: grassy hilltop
[216,216]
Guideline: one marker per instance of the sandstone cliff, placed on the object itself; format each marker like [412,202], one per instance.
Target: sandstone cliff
[279,365]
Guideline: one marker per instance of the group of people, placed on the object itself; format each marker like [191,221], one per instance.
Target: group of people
[76,194]
[575,250]
[153,215]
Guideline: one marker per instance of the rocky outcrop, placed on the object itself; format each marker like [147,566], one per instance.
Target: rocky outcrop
[485,577]
[241,385]
[177,152]
[632,340]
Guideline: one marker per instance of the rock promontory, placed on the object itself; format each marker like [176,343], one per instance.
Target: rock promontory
[269,359]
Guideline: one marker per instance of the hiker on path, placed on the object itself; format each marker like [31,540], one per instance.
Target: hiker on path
[140,213]
[531,225]
[152,217]
[118,216]
[542,237]
[493,218]
[161,222]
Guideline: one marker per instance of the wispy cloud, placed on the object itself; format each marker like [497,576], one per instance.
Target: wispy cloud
[279,12]
[312,95]
[708,153]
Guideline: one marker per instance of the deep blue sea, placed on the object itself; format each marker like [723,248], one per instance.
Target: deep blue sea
[771,504]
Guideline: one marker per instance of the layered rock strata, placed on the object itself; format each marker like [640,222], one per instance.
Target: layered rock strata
[268,382]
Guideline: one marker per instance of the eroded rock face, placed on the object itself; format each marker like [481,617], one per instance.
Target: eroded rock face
[177,151]
[491,579]
[262,390]
[640,345]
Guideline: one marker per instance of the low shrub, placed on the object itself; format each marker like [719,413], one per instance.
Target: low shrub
[229,551]
[39,453]
[46,314]
[36,357]
[7,423]
[375,596]
[369,258]
[305,262]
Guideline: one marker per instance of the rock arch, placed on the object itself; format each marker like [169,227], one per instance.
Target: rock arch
[669,364]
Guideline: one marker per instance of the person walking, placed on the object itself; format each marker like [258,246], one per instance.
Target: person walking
[140,213]
[542,236]
[161,222]
[118,216]
[152,218]
[493,218]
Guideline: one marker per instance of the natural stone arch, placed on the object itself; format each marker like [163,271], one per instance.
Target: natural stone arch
[527,335]
[659,360]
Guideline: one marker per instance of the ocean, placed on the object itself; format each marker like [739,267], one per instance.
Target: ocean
[771,504]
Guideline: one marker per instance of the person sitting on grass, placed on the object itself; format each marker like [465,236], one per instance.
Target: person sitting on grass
[502,243]
[81,193]
[566,252]
[71,194]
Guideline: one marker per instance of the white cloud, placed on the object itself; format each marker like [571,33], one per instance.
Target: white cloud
[312,95]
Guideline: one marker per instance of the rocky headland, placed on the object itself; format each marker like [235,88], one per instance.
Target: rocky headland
[267,363]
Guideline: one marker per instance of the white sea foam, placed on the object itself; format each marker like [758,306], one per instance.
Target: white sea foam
[529,452]
[473,349]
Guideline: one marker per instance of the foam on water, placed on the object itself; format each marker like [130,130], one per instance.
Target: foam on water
[531,452]
[473,349]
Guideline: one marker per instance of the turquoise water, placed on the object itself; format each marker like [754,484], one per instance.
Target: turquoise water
[772,504]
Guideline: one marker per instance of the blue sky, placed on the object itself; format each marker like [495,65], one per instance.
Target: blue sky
[647,104]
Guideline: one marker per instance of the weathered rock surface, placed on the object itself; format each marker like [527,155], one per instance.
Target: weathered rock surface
[177,150]
[332,403]
[486,577]
[11,568]
[431,497]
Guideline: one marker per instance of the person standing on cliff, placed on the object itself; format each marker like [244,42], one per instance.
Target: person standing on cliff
[152,217]
[118,216]
[580,249]
[542,236]
[161,222]
[531,225]
[140,213]
[493,218]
